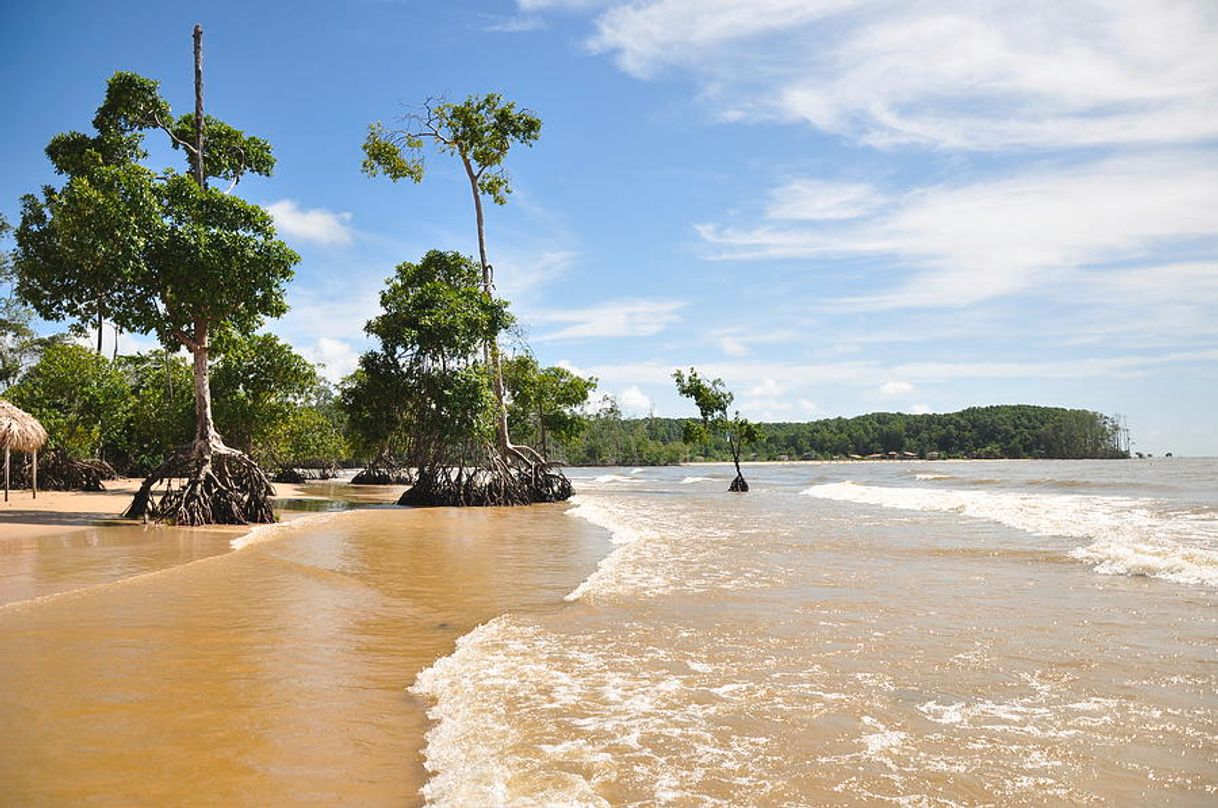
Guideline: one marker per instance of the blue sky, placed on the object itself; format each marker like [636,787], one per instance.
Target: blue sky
[838,207]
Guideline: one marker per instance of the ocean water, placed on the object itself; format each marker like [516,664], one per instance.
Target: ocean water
[921,634]
[980,633]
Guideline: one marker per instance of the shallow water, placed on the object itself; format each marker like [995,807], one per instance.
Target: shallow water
[272,675]
[983,633]
[857,633]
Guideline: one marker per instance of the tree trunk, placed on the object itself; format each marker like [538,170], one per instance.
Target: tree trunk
[200,173]
[738,486]
[100,324]
[491,348]
[205,426]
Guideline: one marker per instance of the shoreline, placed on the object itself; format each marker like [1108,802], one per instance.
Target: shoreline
[297,647]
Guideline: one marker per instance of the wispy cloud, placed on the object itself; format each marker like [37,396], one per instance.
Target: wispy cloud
[955,74]
[317,225]
[620,318]
[964,243]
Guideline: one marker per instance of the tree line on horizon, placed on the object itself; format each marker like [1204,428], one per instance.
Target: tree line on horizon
[1014,431]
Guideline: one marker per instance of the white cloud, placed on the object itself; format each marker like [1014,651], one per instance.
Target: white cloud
[966,243]
[622,318]
[956,74]
[817,199]
[896,388]
[767,388]
[518,274]
[732,346]
[317,225]
[634,401]
[872,374]
[336,357]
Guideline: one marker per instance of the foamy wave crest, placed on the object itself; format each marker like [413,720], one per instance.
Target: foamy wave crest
[1129,536]
[527,715]
[611,479]
[933,477]
[692,480]
[666,547]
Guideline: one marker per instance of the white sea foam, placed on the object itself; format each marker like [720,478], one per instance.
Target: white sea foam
[665,547]
[1128,535]
[933,477]
[527,715]
[612,479]
[691,480]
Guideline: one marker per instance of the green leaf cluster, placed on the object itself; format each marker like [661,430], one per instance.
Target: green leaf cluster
[481,130]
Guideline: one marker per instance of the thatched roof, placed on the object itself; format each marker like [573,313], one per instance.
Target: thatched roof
[19,430]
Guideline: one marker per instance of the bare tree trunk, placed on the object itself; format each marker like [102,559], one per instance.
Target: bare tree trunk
[491,348]
[100,323]
[738,485]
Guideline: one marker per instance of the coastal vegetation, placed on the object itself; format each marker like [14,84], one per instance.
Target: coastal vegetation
[1000,431]
[455,462]
[162,252]
[713,399]
[437,401]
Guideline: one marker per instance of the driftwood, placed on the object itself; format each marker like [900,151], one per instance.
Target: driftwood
[57,471]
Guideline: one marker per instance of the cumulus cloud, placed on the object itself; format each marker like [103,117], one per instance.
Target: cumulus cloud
[634,401]
[317,225]
[896,388]
[337,357]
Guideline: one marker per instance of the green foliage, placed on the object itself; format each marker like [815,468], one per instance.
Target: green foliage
[480,130]
[151,252]
[81,399]
[425,388]
[712,398]
[18,343]
[1013,431]
[162,412]
[258,385]
[545,403]
[305,438]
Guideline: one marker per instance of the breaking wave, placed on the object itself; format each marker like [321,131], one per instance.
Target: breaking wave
[1128,535]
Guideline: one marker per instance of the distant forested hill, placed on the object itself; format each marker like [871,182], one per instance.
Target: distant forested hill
[1003,431]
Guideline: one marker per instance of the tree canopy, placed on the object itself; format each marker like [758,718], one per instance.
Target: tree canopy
[162,252]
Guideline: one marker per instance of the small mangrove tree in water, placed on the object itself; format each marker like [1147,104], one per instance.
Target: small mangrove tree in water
[479,132]
[163,252]
[712,398]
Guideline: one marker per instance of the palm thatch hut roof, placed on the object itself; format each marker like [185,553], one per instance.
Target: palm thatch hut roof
[20,431]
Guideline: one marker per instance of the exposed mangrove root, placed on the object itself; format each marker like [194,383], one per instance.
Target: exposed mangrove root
[216,485]
[384,470]
[289,476]
[57,471]
[496,483]
[738,486]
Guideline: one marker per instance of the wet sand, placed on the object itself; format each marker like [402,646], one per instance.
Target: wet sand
[274,674]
